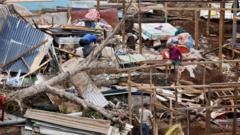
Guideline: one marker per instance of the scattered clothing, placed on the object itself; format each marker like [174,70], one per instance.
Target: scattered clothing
[172,41]
[185,39]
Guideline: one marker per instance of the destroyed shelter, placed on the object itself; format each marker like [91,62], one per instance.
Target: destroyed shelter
[94,67]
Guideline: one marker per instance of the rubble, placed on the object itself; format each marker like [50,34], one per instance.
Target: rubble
[89,67]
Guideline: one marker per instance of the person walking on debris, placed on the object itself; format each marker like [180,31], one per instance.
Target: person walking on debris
[145,119]
[86,42]
[175,56]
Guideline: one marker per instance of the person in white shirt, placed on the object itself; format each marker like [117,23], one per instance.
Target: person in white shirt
[146,119]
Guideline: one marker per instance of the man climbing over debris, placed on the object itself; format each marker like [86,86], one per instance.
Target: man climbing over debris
[86,43]
[145,118]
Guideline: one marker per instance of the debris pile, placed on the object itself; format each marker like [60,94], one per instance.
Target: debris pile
[105,69]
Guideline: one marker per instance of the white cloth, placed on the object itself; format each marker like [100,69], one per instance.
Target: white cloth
[147,115]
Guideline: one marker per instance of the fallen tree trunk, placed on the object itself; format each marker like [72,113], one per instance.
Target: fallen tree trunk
[89,91]
[20,95]
[35,89]
[80,101]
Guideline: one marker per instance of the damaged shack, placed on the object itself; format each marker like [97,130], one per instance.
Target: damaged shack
[119,67]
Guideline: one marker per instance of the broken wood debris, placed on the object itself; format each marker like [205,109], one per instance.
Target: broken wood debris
[107,64]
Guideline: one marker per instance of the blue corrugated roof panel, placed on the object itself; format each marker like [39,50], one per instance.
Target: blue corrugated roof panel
[16,38]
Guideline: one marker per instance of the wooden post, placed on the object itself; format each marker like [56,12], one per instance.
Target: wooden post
[221,33]
[140,27]
[98,5]
[141,117]
[154,113]
[166,12]
[129,99]
[204,80]
[171,114]
[188,123]
[235,113]
[234,26]
[123,26]
[235,102]
[196,27]
[208,114]
[209,18]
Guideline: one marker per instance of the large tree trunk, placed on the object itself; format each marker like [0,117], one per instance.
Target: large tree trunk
[79,101]
[88,89]
[84,65]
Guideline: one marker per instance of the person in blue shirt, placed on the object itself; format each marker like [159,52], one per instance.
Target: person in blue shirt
[86,41]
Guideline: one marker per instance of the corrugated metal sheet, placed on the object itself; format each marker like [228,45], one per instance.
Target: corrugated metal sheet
[16,37]
[52,119]
[4,11]
[95,97]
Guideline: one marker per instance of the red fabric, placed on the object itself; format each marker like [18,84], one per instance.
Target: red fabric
[109,15]
[2,100]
